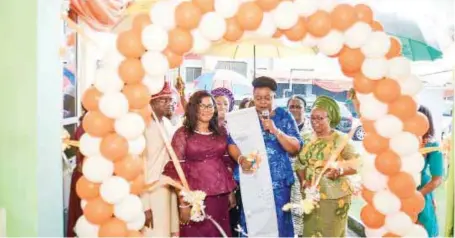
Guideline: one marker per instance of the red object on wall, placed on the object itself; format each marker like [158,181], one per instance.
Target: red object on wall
[333,86]
[100,15]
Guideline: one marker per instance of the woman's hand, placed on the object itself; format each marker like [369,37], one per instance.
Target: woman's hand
[332,173]
[232,200]
[185,214]
[269,126]
[245,164]
[304,185]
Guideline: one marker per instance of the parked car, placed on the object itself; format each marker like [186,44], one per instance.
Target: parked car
[347,120]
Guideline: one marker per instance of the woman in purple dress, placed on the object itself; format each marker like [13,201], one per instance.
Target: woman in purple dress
[200,145]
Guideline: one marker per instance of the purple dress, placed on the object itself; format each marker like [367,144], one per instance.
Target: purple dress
[201,158]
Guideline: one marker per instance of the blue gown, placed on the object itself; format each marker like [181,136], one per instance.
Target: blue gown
[280,169]
[434,166]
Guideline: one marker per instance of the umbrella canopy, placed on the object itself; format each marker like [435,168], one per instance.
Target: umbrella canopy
[415,45]
[237,83]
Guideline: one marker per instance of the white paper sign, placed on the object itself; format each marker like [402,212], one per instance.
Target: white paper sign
[256,189]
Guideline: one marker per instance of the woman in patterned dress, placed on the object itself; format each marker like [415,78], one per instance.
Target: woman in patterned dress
[330,218]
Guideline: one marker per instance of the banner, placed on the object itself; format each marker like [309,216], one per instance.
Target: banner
[256,189]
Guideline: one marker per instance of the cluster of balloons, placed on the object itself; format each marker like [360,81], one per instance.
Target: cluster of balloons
[100,15]
[157,41]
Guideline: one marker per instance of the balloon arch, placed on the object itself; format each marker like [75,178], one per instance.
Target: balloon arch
[118,109]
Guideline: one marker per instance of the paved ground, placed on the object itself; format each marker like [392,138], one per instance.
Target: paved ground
[351,234]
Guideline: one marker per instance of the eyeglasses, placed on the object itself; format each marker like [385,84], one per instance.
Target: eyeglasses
[317,119]
[207,107]
[295,107]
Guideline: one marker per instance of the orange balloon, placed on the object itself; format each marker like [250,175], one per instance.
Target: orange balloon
[137,95]
[137,185]
[134,234]
[233,30]
[205,5]
[129,167]
[249,16]
[375,143]
[388,163]
[351,60]
[140,21]
[278,33]
[188,15]
[417,124]
[319,24]
[175,60]
[390,235]
[364,13]
[86,189]
[413,205]
[402,184]
[131,71]
[113,228]
[114,147]
[343,17]
[145,113]
[129,43]
[376,26]
[363,84]
[91,98]
[404,107]
[297,32]
[180,41]
[268,5]
[387,90]
[348,73]
[96,124]
[367,195]
[97,211]
[368,125]
[371,217]
[395,48]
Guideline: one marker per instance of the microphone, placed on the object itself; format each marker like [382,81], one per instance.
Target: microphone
[265,115]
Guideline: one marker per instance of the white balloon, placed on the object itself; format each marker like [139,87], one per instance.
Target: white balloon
[377,45]
[155,63]
[114,190]
[226,8]
[399,68]
[285,15]
[89,145]
[97,169]
[136,146]
[388,126]
[412,163]
[327,5]
[371,108]
[398,223]
[372,179]
[375,68]
[154,84]
[200,44]
[404,143]
[128,208]
[332,43]
[357,35]
[112,59]
[113,105]
[267,27]
[417,178]
[137,223]
[417,231]
[310,40]
[411,86]
[375,232]
[84,228]
[130,126]
[212,26]
[154,38]
[386,202]
[83,203]
[306,8]
[163,14]
[108,80]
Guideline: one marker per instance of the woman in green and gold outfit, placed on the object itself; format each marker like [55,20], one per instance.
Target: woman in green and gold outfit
[330,218]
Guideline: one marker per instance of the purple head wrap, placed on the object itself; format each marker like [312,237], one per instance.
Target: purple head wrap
[224,92]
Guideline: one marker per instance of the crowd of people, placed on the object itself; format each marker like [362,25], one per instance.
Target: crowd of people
[297,147]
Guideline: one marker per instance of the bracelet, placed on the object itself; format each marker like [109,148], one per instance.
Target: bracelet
[240,158]
[279,133]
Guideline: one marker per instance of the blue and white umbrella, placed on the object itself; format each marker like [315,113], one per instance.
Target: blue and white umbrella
[237,83]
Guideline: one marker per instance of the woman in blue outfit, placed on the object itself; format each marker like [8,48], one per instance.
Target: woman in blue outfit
[281,138]
[432,175]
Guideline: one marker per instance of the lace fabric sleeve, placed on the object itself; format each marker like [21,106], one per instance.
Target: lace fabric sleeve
[179,142]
